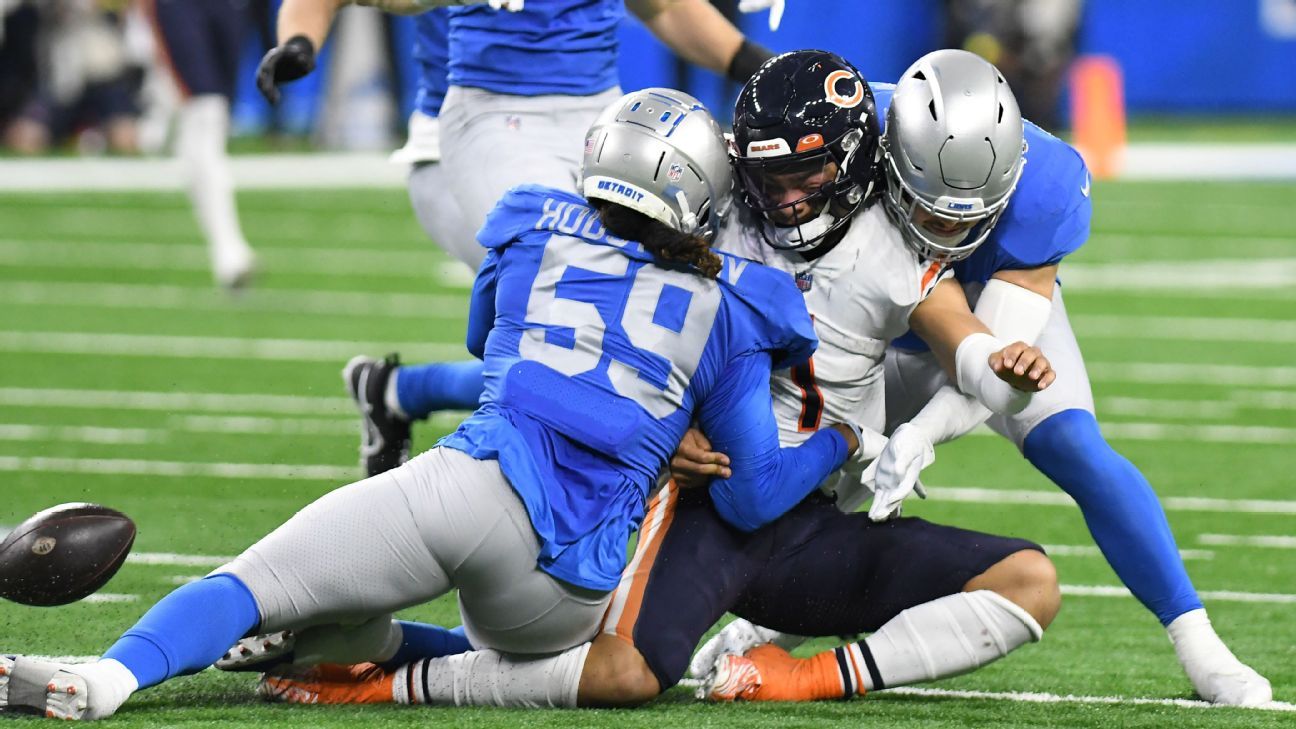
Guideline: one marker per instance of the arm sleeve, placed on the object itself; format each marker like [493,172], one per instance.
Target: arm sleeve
[481,308]
[767,480]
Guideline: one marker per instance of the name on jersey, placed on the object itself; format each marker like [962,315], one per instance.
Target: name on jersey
[620,189]
[579,221]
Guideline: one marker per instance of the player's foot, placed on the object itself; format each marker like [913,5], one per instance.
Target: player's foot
[234,266]
[1216,674]
[260,653]
[769,673]
[329,683]
[736,638]
[61,691]
[384,435]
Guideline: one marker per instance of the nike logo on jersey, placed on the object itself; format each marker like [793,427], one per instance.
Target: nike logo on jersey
[1084,189]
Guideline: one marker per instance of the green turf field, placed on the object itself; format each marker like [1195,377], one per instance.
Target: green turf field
[128,380]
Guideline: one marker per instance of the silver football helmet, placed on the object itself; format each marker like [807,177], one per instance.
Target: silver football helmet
[954,150]
[660,152]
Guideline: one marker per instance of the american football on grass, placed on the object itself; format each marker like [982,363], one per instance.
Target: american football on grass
[63,554]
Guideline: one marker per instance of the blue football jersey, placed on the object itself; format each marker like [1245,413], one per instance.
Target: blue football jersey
[549,47]
[1046,220]
[432,54]
[596,362]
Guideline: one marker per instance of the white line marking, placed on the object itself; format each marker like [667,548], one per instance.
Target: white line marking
[1192,374]
[1233,540]
[1177,277]
[57,659]
[205,298]
[1046,698]
[1090,550]
[1057,498]
[78,434]
[178,560]
[177,401]
[1166,408]
[151,345]
[1171,432]
[1216,329]
[120,466]
[102,598]
[182,579]
[1196,161]
[1217,595]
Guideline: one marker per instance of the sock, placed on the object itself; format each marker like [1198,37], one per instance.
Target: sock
[1215,673]
[108,685]
[490,678]
[200,145]
[391,395]
[945,637]
[423,389]
[187,630]
[1122,511]
[420,640]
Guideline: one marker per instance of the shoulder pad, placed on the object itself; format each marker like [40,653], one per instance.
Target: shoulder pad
[771,300]
[524,208]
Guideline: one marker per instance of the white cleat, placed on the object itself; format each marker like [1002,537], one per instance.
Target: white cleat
[1216,674]
[43,688]
[736,639]
[234,267]
[259,653]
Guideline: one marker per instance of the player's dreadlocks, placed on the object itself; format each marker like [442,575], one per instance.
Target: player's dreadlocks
[663,241]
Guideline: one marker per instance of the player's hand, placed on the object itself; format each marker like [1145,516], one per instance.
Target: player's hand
[755,6]
[695,464]
[288,62]
[894,475]
[512,6]
[1023,366]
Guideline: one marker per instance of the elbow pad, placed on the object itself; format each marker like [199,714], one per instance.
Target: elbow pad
[1013,313]
[975,378]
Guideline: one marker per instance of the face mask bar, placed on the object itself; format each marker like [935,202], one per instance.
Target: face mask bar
[802,232]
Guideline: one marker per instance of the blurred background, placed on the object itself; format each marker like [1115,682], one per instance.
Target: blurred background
[83,76]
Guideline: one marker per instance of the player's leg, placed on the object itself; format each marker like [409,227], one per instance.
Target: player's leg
[437,210]
[201,42]
[837,574]
[1059,435]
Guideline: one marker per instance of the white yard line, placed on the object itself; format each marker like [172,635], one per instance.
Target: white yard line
[177,560]
[205,298]
[1234,540]
[1047,698]
[105,598]
[1090,550]
[1180,433]
[152,345]
[78,434]
[1167,408]
[1175,373]
[1216,595]
[178,469]
[1182,277]
[1214,329]
[963,494]
[176,401]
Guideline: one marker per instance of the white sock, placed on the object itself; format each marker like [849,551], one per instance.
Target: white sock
[108,685]
[390,397]
[1215,673]
[375,640]
[945,637]
[490,678]
[200,145]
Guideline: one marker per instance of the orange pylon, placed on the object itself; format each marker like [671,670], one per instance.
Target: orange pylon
[1098,114]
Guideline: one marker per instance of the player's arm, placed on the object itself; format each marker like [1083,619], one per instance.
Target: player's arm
[697,32]
[765,480]
[481,307]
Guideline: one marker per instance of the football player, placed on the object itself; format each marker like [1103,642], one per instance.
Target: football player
[607,325]
[200,43]
[522,89]
[817,568]
[1010,271]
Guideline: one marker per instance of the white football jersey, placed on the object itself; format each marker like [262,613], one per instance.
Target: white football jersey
[860,295]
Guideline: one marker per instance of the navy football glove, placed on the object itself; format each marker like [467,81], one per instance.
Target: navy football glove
[288,62]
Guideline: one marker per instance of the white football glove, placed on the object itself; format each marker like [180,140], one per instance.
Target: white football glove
[755,6]
[512,6]
[895,473]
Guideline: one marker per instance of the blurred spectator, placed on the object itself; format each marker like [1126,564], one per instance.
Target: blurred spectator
[64,74]
[1031,41]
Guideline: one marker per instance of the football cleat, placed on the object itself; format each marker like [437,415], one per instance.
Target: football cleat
[42,688]
[329,683]
[260,653]
[732,678]
[234,266]
[384,435]
[737,638]
[769,673]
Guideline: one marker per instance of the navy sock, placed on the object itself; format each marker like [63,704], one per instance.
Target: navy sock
[424,389]
[1122,511]
[188,630]
[421,640]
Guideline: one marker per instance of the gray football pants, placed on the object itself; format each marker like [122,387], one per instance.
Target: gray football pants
[443,520]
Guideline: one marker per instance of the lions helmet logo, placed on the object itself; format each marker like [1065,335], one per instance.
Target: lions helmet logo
[833,87]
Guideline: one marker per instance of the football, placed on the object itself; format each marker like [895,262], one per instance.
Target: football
[63,554]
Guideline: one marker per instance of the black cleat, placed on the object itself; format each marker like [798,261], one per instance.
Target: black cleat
[384,435]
